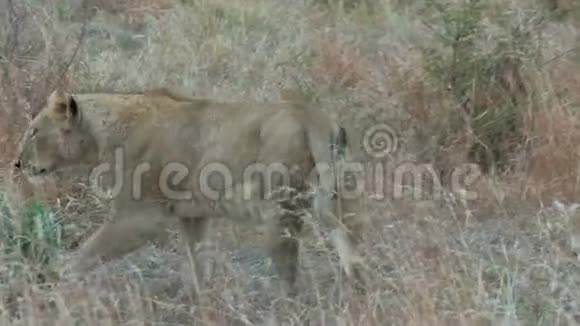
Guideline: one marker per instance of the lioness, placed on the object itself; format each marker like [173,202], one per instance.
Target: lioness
[177,157]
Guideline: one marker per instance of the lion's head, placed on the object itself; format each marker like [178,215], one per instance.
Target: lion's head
[55,138]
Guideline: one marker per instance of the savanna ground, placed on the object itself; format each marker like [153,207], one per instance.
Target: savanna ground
[493,82]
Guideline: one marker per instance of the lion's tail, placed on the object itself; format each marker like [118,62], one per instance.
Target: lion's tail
[331,206]
[329,151]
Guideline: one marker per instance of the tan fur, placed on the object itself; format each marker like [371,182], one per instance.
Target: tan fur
[160,127]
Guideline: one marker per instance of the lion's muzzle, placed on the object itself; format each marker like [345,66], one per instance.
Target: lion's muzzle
[33,170]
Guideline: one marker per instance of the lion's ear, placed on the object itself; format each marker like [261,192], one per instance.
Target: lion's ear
[64,107]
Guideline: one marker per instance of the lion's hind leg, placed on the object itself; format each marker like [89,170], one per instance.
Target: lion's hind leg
[288,168]
[283,246]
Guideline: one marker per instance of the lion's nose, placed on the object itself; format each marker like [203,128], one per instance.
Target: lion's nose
[18,164]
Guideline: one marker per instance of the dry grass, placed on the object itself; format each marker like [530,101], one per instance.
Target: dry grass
[500,259]
[338,65]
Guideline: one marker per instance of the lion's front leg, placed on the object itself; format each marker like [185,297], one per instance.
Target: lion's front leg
[192,232]
[128,231]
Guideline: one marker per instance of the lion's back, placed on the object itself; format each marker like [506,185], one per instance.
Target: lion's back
[177,124]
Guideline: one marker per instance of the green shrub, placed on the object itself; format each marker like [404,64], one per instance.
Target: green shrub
[482,77]
[35,236]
